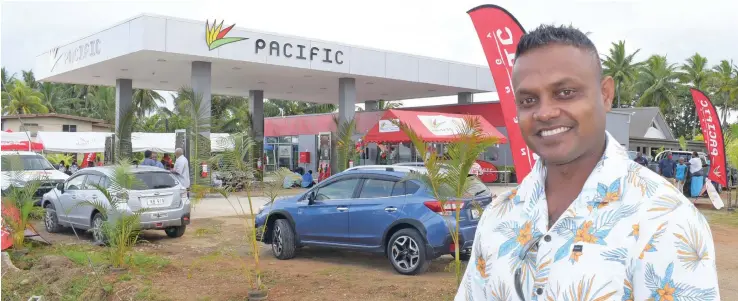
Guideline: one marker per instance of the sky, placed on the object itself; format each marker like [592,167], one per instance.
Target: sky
[434,28]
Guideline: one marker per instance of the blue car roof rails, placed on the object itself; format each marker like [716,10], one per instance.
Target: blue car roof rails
[391,168]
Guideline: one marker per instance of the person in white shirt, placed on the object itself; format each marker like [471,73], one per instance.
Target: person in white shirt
[182,168]
[587,223]
[698,177]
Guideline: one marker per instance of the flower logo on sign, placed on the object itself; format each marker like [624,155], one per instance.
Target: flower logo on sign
[215,35]
[442,125]
[386,126]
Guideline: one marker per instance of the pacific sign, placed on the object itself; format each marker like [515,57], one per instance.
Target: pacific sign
[215,37]
[80,52]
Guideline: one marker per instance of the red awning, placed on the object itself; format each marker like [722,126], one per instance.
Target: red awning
[430,126]
[21,146]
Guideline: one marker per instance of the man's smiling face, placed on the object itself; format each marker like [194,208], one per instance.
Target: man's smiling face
[562,101]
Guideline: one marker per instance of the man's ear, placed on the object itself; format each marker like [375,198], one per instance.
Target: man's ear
[607,88]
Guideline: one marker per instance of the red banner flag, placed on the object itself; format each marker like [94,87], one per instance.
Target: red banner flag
[713,134]
[500,33]
[89,157]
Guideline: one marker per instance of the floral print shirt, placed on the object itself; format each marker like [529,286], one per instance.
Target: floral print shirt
[629,235]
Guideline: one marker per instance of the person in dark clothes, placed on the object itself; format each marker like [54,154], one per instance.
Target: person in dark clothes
[640,159]
[667,168]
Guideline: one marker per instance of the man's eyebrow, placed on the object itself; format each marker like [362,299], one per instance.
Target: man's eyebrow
[563,81]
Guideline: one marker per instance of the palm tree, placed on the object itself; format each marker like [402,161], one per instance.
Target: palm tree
[383,105]
[6,80]
[726,84]
[238,120]
[695,72]
[146,101]
[658,81]
[621,66]
[21,99]
[30,79]
[102,102]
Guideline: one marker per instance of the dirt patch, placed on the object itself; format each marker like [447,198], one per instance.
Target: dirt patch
[54,277]
[212,260]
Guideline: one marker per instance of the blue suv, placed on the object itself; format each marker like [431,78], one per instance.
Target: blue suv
[370,208]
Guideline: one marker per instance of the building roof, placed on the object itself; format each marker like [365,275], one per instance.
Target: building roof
[94,121]
[643,118]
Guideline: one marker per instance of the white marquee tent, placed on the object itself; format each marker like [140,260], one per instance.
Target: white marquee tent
[94,142]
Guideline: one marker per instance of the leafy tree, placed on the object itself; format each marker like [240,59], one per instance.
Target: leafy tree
[622,67]
[658,81]
[21,99]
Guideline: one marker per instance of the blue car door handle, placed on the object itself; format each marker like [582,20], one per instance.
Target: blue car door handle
[390,209]
[342,209]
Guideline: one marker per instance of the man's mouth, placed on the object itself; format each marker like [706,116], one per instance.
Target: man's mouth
[553,132]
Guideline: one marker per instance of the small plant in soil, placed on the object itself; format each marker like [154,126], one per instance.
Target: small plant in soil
[448,176]
[119,229]
[240,160]
[17,201]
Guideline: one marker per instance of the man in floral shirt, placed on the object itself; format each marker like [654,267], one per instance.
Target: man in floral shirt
[587,223]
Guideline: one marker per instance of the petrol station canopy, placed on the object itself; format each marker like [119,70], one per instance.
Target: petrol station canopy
[157,52]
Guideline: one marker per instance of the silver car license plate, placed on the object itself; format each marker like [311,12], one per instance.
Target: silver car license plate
[155,202]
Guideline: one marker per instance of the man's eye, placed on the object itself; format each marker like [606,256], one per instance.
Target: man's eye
[566,93]
[527,101]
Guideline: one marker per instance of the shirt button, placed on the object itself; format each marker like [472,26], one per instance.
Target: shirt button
[547,238]
[539,291]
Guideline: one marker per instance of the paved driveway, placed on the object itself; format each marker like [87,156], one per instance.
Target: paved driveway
[219,206]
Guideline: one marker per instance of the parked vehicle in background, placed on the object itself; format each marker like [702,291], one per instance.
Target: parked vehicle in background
[654,164]
[157,190]
[20,167]
[372,209]
[475,170]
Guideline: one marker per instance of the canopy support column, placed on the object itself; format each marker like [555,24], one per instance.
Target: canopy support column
[124,116]
[346,109]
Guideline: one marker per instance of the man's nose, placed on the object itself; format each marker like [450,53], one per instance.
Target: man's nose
[547,109]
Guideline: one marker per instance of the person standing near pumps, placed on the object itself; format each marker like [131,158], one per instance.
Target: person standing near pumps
[182,169]
[587,223]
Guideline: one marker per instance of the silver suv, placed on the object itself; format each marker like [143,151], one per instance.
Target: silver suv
[157,190]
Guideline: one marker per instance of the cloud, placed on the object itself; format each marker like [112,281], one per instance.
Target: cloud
[434,28]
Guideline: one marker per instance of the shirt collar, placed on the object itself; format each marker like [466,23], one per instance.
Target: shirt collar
[537,177]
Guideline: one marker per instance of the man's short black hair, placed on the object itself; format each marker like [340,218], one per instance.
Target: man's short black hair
[546,35]
[147,154]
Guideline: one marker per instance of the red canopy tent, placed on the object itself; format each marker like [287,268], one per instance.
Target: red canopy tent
[430,127]
[18,142]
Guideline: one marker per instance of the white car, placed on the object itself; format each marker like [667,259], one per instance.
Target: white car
[19,167]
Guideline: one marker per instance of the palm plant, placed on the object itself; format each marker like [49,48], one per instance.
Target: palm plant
[197,133]
[449,180]
[239,161]
[124,129]
[22,99]
[119,229]
[345,148]
[658,81]
[17,204]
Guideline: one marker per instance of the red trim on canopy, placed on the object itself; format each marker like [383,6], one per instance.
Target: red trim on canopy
[21,146]
[442,122]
